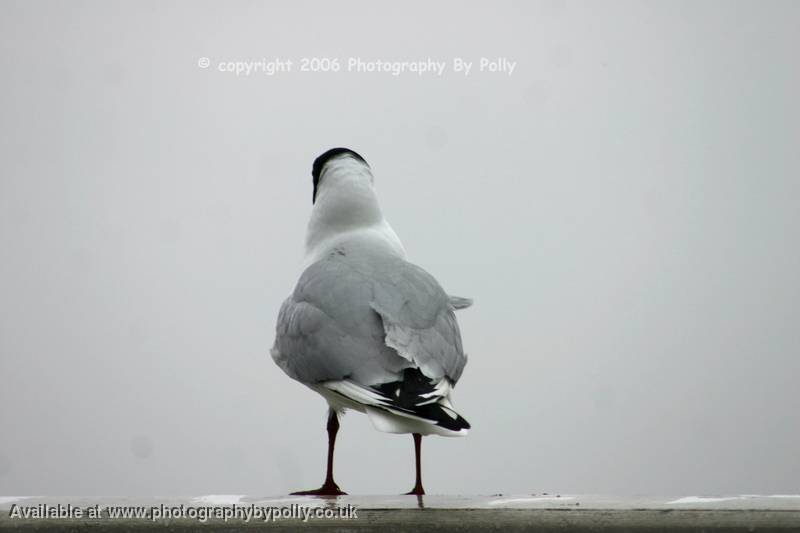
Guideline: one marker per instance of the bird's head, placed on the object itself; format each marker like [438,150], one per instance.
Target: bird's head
[346,211]
[334,166]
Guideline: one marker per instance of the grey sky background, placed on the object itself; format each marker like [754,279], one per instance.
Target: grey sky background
[623,208]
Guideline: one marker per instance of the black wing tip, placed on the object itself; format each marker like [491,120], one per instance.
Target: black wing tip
[409,396]
[444,417]
[434,413]
[409,390]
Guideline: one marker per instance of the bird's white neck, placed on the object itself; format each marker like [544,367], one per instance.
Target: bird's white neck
[347,210]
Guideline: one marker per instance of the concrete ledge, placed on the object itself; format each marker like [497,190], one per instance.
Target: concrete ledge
[408,513]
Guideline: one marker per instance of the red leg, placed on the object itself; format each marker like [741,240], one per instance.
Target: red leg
[418,490]
[329,488]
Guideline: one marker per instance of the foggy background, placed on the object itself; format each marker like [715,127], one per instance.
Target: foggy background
[623,208]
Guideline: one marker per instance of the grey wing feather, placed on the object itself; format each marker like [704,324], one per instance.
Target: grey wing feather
[460,303]
[419,321]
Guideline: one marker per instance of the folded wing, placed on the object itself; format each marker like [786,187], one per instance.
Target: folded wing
[367,319]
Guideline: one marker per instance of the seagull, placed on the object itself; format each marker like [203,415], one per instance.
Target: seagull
[364,327]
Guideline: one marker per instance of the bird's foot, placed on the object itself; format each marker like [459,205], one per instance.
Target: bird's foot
[329,488]
[416,491]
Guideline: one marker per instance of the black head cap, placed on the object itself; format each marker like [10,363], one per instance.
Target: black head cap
[319,163]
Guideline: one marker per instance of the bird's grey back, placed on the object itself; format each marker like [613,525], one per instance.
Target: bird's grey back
[366,317]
